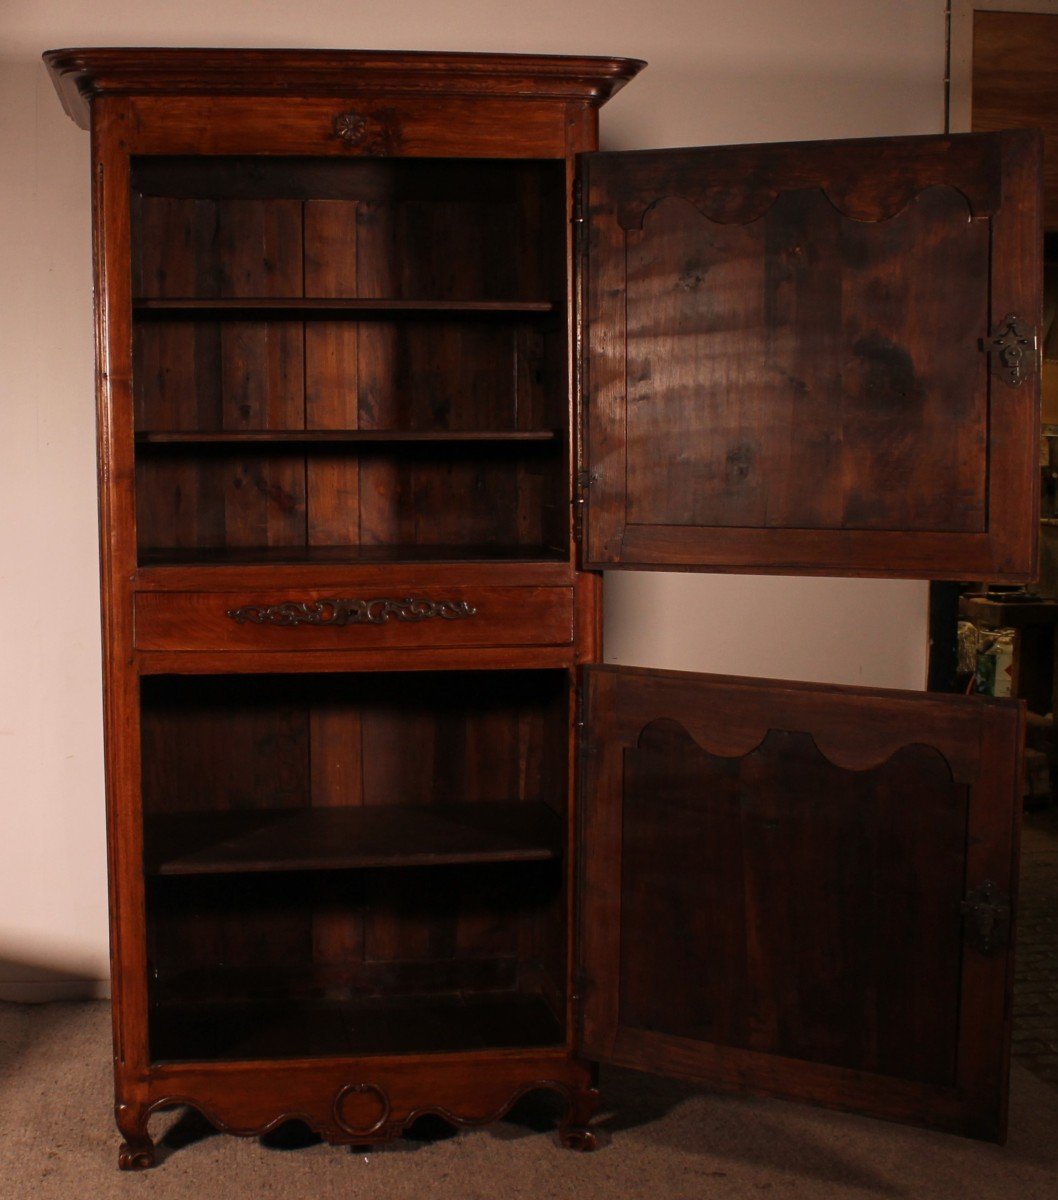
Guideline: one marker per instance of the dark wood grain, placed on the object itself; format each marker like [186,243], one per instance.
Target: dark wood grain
[776,883]
[327,436]
[332,481]
[355,302]
[1014,85]
[323,839]
[82,74]
[246,776]
[329,1029]
[770,324]
[336,300]
[279,308]
[775,835]
[292,302]
[200,621]
[222,557]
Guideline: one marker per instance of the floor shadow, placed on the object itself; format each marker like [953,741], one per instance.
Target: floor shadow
[188,1127]
[716,1124]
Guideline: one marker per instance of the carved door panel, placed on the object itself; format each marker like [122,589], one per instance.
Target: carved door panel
[801,891]
[798,357]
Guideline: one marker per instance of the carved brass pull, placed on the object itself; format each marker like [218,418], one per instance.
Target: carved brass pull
[339,611]
[987,913]
[1011,347]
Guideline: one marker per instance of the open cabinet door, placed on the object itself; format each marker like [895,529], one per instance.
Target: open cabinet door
[801,891]
[814,358]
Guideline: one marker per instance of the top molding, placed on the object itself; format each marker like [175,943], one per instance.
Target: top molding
[80,75]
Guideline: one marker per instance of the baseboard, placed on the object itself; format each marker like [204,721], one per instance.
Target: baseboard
[41,991]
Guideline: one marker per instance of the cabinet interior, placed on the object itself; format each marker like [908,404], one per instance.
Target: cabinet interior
[349,360]
[354,864]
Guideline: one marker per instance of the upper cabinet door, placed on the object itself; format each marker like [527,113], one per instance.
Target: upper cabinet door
[815,358]
[801,891]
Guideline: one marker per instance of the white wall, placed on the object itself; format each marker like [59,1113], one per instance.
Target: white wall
[720,72]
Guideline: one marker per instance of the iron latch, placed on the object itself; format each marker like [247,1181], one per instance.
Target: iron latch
[987,913]
[1011,349]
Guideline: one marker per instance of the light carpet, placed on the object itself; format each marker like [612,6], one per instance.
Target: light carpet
[660,1141]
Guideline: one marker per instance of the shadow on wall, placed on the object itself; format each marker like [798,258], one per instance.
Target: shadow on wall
[24,981]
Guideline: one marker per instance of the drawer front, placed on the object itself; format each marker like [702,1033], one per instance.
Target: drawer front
[367,619]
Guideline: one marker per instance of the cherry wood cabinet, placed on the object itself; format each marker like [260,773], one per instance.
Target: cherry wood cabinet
[391,364]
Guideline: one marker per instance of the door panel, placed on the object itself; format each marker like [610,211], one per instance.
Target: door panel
[785,362]
[772,887]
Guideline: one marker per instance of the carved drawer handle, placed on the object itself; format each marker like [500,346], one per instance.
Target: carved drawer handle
[351,127]
[361,1108]
[340,611]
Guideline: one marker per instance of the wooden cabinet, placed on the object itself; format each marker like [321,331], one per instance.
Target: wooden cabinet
[391,363]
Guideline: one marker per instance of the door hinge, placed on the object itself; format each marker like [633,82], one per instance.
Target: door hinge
[580,701]
[1011,350]
[584,480]
[987,914]
[580,242]
[580,985]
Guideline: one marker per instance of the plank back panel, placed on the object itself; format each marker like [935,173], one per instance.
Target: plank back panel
[215,745]
[432,231]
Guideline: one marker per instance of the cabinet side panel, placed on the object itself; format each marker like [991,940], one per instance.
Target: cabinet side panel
[112,240]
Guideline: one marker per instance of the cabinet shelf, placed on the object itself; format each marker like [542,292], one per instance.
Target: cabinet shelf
[299,307]
[314,1027]
[327,437]
[295,556]
[328,839]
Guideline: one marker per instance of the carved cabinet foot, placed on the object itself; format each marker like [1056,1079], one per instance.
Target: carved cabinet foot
[136,1152]
[574,1132]
[136,1155]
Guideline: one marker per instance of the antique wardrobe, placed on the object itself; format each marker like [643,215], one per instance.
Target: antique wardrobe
[392,364]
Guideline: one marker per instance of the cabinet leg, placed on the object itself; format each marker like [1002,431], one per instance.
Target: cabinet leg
[574,1132]
[136,1152]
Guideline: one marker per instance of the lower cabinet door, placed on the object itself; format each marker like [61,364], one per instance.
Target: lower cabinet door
[801,891]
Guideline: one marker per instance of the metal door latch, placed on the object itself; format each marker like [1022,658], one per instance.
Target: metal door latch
[987,913]
[1011,348]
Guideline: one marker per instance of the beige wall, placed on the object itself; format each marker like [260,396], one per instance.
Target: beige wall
[720,72]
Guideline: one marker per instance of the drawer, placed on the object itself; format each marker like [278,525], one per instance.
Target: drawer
[370,619]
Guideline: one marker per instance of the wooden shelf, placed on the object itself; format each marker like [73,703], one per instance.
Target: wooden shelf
[326,437]
[296,556]
[315,1027]
[328,839]
[286,307]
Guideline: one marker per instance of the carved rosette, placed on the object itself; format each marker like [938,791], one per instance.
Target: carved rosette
[376,132]
[351,127]
[340,611]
